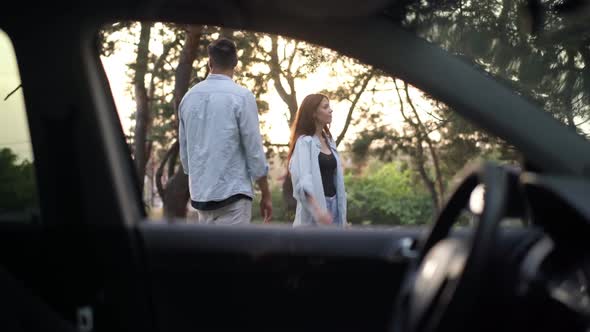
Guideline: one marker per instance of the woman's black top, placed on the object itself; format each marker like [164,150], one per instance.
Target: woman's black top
[327,168]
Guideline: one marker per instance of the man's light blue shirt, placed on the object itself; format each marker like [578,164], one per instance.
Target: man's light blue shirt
[220,144]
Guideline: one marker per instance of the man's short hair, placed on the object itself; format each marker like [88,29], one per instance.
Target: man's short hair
[223,53]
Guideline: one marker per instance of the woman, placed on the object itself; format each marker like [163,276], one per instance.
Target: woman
[314,165]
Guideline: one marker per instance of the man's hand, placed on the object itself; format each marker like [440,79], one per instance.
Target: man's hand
[265,201]
[266,209]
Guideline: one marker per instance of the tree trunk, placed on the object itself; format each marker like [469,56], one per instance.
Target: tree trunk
[160,171]
[172,161]
[418,158]
[176,194]
[419,162]
[423,134]
[156,74]
[570,81]
[290,99]
[185,64]
[276,72]
[142,117]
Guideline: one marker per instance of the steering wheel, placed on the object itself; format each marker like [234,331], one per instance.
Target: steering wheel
[441,284]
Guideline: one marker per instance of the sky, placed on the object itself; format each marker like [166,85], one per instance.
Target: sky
[14,130]
[276,126]
[275,120]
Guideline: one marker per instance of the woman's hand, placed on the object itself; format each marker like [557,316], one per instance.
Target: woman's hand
[321,216]
[324,217]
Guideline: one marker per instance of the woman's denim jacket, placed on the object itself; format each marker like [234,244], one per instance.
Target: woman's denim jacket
[306,177]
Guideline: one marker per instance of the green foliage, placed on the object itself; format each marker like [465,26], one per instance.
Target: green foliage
[459,143]
[547,63]
[105,44]
[387,195]
[17,189]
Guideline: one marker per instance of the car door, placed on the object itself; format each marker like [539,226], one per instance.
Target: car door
[98,259]
[273,278]
[96,262]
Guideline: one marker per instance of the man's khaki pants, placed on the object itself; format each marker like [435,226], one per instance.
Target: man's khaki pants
[236,213]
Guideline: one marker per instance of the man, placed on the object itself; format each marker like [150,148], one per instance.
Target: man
[220,144]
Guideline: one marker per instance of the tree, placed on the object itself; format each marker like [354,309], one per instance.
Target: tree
[435,161]
[18,189]
[351,90]
[176,194]
[266,62]
[142,148]
[532,51]
[289,62]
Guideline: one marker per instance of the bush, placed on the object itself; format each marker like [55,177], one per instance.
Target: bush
[17,183]
[386,195]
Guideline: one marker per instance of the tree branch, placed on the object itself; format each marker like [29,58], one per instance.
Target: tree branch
[185,63]
[420,162]
[158,66]
[357,97]
[13,91]
[428,141]
[292,56]
[401,104]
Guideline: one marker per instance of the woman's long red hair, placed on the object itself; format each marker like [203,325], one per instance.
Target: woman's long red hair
[304,123]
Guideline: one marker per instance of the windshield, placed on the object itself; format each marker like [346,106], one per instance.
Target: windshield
[541,49]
